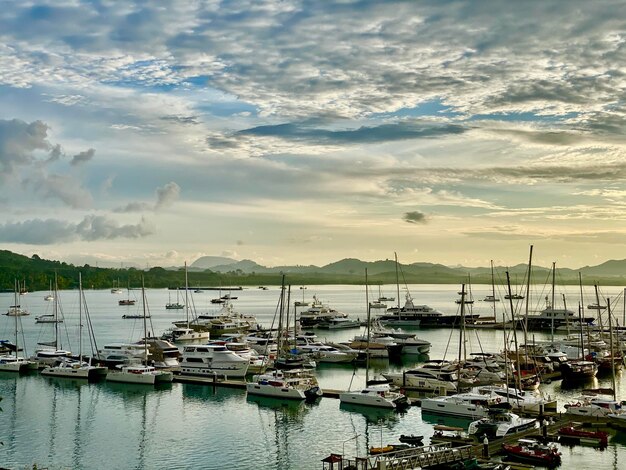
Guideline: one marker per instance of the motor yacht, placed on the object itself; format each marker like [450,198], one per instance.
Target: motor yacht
[212,359]
[296,384]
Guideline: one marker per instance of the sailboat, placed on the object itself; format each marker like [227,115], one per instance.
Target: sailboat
[492,297]
[77,369]
[185,333]
[49,297]
[140,373]
[53,351]
[127,300]
[377,395]
[116,288]
[295,384]
[177,305]
[13,362]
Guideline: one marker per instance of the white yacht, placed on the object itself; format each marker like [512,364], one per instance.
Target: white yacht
[181,334]
[50,356]
[296,384]
[321,352]
[70,368]
[424,379]
[13,363]
[595,406]
[212,359]
[340,322]
[519,399]
[500,424]
[466,405]
[121,353]
[378,395]
[318,313]
[139,374]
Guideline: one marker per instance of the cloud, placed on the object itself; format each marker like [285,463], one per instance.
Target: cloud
[167,195]
[134,207]
[414,217]
[64,188]
[100,227]
[51,231]
[187,120]
[19,141]
[83,157]
[381,133]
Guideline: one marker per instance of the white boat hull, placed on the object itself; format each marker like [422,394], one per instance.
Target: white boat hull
[459,409]
[11,364]
[421,383]
[238,370]
[148,378]
[267,390]
[87,373]
[359,398]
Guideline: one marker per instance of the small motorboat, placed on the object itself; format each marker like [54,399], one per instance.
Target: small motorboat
[580,436]
[411,439]
[388,448]
[532,451]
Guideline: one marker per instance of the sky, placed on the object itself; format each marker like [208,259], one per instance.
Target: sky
[151,133]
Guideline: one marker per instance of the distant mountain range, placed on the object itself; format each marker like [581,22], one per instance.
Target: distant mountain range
[614,270]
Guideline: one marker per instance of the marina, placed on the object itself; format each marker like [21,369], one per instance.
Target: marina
[149,425]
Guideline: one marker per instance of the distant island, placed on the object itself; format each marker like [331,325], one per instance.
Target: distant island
[37,273]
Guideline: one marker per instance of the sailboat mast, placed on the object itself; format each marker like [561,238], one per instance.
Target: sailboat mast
[280,317]
[493,292]
[397,283]
[145,323]
[582,339]
[608,307]
[595,286]
[80,317]
[458,385]
[56,311]
[16,312]
[518,381]
[186,294]
[367,346]
[553,311]
[530,259]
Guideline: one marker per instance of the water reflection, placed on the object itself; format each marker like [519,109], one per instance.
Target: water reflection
[205,394]
[446,420]
[294,408]
[371,414]
[131,391]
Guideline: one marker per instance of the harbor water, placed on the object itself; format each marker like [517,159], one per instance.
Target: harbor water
[70,424]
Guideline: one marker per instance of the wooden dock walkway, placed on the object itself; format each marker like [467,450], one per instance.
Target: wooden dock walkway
[407,459]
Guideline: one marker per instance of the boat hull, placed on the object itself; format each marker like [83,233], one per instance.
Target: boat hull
[267,390]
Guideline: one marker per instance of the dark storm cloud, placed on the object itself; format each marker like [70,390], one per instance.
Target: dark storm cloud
[382,133]
[414,217]
[83,157]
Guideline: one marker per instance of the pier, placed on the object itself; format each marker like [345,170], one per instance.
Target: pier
[418,457]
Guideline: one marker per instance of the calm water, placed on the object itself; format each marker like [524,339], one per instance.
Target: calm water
[61,423]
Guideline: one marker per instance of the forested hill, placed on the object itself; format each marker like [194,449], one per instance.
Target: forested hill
[37,274]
